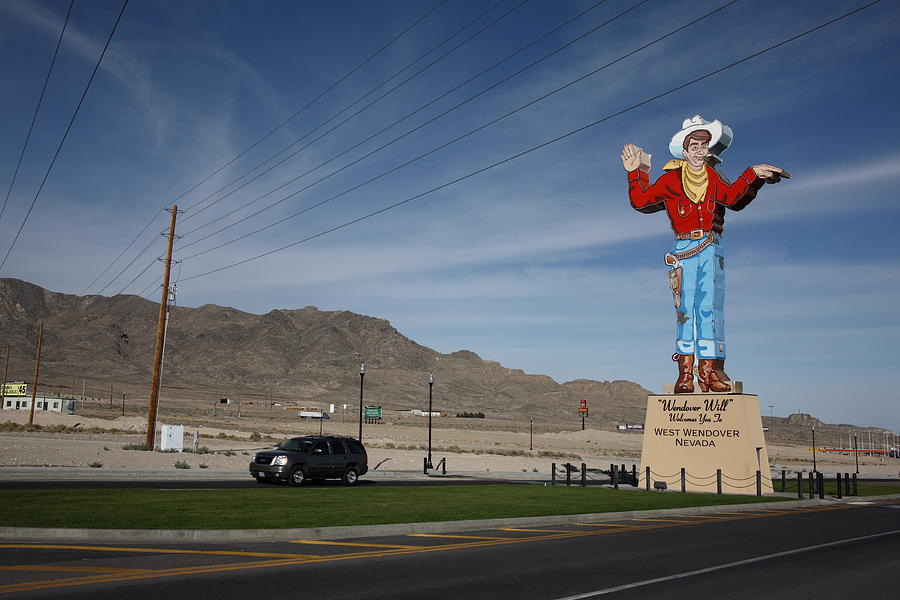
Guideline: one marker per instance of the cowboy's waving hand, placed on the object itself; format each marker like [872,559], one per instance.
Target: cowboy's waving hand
[632,156]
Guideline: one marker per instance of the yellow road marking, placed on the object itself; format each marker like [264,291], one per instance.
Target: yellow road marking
[742,514]
[539,530]
[462,537]
[661,520]
[305,559]
[327,543]
[63,569]
[602,525]
[153,550]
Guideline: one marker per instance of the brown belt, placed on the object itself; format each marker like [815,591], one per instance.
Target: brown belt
[696,234]
[710,238]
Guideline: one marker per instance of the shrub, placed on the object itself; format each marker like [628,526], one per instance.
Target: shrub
[135,447]
[182,465]
[470,415]
[255,436]
[230,453]
[95,465]
[202,466]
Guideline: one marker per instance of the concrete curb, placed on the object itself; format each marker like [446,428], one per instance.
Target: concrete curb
[391,529]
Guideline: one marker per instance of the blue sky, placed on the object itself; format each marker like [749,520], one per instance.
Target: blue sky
[539,263]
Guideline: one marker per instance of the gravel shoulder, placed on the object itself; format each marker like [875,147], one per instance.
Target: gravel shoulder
[392,448]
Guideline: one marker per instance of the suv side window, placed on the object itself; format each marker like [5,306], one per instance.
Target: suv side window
[293,444]
[337,447]
[355,447]
[321,447]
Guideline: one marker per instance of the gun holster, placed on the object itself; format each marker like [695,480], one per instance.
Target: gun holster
[675,284]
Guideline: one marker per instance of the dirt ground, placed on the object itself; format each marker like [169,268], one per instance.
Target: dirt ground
[392,447]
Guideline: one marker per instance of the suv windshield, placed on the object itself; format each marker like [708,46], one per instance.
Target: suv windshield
[296,444]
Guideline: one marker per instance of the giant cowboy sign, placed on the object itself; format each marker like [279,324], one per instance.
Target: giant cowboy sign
[695,196]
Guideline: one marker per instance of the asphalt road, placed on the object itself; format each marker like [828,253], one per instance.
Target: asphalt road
[830,551]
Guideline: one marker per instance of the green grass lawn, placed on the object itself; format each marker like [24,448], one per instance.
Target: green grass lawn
[276,508]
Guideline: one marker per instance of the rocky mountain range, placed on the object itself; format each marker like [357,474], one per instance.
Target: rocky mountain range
[304,355]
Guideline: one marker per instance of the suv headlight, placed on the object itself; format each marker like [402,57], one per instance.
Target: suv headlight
[280,460]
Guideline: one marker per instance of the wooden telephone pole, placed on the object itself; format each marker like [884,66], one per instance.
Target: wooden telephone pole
[37,372]
[5,375]
[157,358]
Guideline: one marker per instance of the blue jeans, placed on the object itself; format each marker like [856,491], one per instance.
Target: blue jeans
[700,320]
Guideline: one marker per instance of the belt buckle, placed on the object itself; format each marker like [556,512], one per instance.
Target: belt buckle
[697,234]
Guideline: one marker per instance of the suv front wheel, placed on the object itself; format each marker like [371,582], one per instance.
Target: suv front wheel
[351,476]
[297,476]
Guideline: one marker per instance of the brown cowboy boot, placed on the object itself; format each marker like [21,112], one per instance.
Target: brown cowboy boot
[719,366]
[708,378]
[685,382]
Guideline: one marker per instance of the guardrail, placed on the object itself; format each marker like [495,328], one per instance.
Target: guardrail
[846,484]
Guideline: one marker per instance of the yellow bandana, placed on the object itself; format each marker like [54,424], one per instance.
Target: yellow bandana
[694,182]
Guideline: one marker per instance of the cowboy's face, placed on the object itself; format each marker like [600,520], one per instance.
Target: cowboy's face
[696,154]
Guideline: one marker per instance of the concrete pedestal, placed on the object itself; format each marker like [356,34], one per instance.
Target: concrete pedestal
[702,433]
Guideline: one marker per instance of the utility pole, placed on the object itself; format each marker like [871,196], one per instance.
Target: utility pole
[5,374]
[157,358]
[37,372]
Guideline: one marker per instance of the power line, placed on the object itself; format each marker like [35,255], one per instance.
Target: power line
[452,141]
[334,116]
[543,144]
[266,136]
[37,108]
[408,115]
[66,134]
[121,254]
[311,102]
[128,266]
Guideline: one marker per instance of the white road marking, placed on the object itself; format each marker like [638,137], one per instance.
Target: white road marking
[738,563]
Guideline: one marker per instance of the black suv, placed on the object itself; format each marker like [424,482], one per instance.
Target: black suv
[312,458]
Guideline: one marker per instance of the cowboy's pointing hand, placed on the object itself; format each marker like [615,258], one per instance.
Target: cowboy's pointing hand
[770,173]
[631,157]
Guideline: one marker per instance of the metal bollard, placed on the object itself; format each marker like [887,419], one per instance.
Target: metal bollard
[812,490]
[647,480]
[425,465]
[634,474]
[615,477]
[719,481]
[568,474]
[583,474]
[820,480]
[799,485]
[758,483]
[783,480]
[683,488]
[839,495]
[552,473]
[846,484]
[855,489]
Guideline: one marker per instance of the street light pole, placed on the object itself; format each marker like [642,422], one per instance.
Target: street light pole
[814,449]
[856,452]
[362,374]
[531,434]
[430,389]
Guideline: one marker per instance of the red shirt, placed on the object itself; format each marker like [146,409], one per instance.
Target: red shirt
[668,193]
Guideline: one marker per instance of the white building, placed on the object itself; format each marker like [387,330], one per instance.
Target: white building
[16,397]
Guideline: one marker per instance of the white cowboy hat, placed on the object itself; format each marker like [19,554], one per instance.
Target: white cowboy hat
[721,136]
